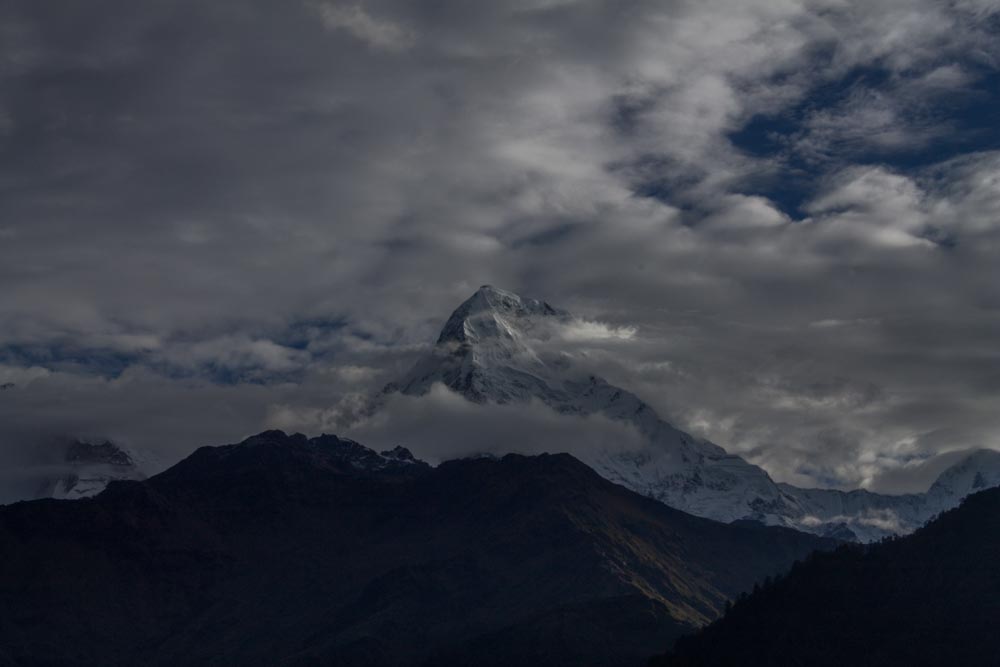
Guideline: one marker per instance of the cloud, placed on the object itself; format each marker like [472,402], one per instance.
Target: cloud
[21,375]
[237,353]
[886,520]
[874,206]
[355,20]
[582,331]
[442,425]
[833,323]
[246,210]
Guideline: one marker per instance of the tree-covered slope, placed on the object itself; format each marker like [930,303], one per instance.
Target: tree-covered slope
[932,598]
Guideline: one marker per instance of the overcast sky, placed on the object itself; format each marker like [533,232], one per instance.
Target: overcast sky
[219,216]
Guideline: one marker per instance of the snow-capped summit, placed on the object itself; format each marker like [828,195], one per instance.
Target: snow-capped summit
[498,347]
[485,351]
[87,468]
[977,471]
[492,312]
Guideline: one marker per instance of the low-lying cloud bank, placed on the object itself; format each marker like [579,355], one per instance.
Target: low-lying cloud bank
[443,425]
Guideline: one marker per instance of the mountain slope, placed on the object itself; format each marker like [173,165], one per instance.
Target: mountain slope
[488,351]
[931,598]
[285,550]
[499,347]
[975,472]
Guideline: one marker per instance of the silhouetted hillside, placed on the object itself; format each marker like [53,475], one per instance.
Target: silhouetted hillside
[283,550]
[932,598]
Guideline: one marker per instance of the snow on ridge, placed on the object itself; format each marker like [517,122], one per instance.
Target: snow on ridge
[488,352]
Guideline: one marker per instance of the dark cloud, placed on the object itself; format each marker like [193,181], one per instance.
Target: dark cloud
[265,206]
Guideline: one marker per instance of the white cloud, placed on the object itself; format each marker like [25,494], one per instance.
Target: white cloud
[583,331]
[834,323]
[970,193]
[21,375]
[237,352]
[874,206]
[353,18]
[886,520]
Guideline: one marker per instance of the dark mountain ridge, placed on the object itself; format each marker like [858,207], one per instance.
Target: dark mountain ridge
[296,551]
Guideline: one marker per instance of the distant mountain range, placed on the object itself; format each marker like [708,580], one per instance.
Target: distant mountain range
[498,347]
[929,599]
[284,550]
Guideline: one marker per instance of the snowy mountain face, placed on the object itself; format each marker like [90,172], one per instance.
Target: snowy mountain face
[86,469]
[500,348]
[484,351]
[976,472]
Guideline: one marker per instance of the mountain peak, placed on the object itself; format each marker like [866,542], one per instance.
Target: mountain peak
[489,312]
[272,454]
[978,470]
[499,347]
[80,452]
[87,468]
